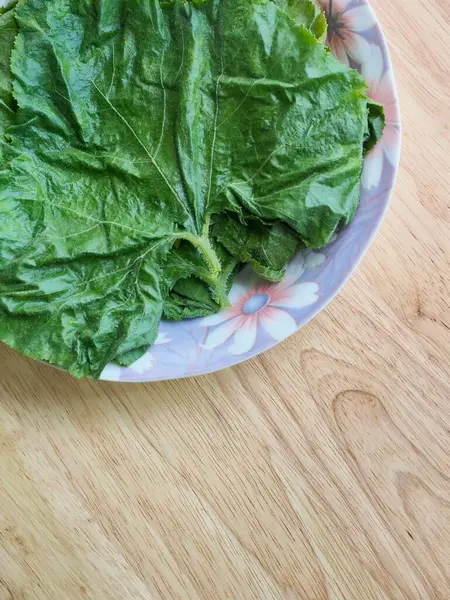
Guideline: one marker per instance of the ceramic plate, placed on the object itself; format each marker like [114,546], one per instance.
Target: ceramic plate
[262,314]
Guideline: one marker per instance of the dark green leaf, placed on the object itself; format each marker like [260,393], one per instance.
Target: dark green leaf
[190,298]
[308,14]
[267,247]
[191,289]
[375,125]
[138,122]
[8,32]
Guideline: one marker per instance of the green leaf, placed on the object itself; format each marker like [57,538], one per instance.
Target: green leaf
[268,247]
[375,125]
[190,297]
[185,264]
[8,32]
[138,123]
[308,14]
[299,117]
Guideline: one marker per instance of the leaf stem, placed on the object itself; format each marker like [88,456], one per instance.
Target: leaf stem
[215,279]
[204,246]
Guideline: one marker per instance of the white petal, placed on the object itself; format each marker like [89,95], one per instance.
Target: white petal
[339,50]
[237,292]
[222,333]
[294,270]
[111,372]
[372,67]
[393,151]
[391,142]
[360,18]
[358,48]
[246,281]
[373,168]
[220,317]
[245,336]
[145,363]
[387,88]
[339,5]
[298,296]
[278,323]
[314,260]
[162,338]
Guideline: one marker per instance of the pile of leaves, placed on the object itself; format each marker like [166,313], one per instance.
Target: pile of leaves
[149,149]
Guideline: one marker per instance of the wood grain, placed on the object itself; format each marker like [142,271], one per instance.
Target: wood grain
[320,470]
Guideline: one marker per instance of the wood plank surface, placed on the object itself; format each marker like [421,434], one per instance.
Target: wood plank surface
[320,470]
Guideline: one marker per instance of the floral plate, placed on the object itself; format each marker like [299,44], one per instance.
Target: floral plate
[263,314]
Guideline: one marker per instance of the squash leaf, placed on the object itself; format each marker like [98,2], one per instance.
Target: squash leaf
[138,127]
[8,32]
[268,247]
[308,14]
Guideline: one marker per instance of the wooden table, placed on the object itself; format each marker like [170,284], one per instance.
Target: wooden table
[320,470]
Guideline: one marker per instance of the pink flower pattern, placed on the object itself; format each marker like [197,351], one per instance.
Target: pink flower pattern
[256,303]
[382,90]
[345,25]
